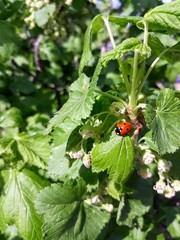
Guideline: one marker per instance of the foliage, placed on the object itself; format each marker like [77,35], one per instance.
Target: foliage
[70,72]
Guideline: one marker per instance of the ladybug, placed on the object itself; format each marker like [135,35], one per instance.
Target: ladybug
[123,128]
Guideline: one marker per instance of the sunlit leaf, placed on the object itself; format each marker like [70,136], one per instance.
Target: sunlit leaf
[116,156]
[66,215]
[17,202]
[164,122]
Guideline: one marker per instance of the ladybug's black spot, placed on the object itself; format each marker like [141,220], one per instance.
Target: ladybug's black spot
[125,124]
[127,129]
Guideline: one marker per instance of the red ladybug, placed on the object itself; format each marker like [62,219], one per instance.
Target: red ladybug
[123,128]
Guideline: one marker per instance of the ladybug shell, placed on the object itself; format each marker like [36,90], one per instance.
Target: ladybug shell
[123,128]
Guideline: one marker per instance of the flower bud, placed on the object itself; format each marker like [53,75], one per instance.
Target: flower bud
[160,186]
[169,192]
[164,166]
[87,160]
[76,155]
[148,157]
[176,185]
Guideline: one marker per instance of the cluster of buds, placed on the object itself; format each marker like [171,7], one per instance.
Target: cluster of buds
[85,157]
[147,158]
[33,6]
[165,186]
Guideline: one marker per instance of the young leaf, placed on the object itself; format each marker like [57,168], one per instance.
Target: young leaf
[79,104]
[17,202]
[96,24]
[116,156]
[165,17]
[164,121]
[65,214]
[126,46]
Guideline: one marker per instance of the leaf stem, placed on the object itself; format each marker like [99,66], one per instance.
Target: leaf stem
[145,33]
[111,96]
[121,68]
[133,96]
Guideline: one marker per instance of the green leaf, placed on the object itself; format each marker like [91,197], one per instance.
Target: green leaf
[173,222]
[11,118]
[135,205]
[126,46]
[95,25]
[34,150]
[164,121]
[9,40]
[9,9]
[65,214]
[115,155]
[43,15]
[17,202]
[79,104]
[163,18]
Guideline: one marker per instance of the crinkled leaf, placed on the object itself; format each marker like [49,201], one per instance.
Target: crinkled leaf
[135,205]
[164,121]
[17,202]
[11,118]
[58,164]
[79,104]
[95,25]
[126,46]
[173,222]
[65,214]
[34,150]
[43,14]
[165,17]
[115,155]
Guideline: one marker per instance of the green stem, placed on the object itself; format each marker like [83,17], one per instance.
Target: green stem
[150,70]
[145,33]
[121,68]
[111,96]
[133,96]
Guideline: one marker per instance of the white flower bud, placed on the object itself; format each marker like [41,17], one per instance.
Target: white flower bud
[28,2]
[76,155]
[160,186]
[169,192]
[164,166]
[46,1]
[38,4]
[87,160]
[96,200]
[148,157]
[108,207]
[176,185]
